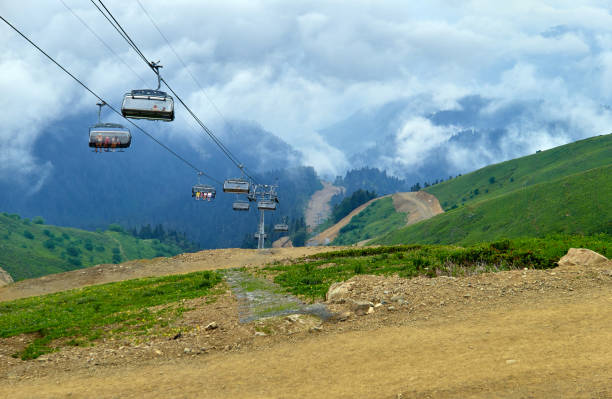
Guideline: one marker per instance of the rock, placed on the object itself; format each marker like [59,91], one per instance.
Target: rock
[211,326]
[396,298]
[391,308]
[344,316]
[378,305]
[294,318]
[510,361]
[582,257]
[260,334]
[5,278]
[316,329]
[338,292]
[362,308]
[187,350]
[158,352]
[178,335]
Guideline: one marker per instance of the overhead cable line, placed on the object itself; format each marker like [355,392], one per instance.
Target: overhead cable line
[129,40]
[110,106]
[109,48]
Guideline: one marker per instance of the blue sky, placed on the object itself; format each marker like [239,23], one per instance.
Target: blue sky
[296,67]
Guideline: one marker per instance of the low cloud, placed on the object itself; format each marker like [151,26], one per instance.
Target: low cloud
[298,67]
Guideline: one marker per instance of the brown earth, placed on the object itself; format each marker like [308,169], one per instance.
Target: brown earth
[416,205]
[283,242]
[184,263]
[318,207]
[513,334]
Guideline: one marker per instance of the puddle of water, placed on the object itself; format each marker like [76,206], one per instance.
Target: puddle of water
[259,298]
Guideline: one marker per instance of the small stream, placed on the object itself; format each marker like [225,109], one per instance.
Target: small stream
[259,298]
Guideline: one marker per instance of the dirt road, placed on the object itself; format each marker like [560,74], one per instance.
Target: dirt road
[417,206]
[184,263]
[518,334]
[318,207]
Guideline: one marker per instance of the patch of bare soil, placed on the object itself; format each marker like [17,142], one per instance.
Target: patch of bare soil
[184,263]
[513,334]
[318,207]
[417,205]
[283,242]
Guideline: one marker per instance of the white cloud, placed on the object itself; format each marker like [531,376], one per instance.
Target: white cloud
[296,67]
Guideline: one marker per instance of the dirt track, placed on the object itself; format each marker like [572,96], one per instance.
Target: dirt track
[517,334]
[417,206]
[318,207]
[184,263]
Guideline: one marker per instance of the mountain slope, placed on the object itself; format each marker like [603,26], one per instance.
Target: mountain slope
[32,249]
[505,177]
[577,204]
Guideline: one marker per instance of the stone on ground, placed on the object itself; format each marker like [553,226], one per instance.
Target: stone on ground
[582,257]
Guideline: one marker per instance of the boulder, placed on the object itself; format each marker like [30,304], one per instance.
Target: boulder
[582,257]
[338,292]
[5,278]
[362,308]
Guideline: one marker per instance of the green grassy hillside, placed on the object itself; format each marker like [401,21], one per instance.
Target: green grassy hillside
[505,177]
[576,204]
[29,248]
[378,218]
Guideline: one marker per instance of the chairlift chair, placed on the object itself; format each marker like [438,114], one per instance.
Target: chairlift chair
[203,192]
[266,205]
[149,104]
[236,186]
[109,136]
[241,205]
[256,235]
[281,227]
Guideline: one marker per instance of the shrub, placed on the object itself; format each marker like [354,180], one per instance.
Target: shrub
[73,251]
[47,233]
[116,227]
[28,235]
[49,244]
[38,220]
[491,179]
[88,245]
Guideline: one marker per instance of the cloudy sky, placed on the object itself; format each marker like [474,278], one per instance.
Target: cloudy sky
[297,67]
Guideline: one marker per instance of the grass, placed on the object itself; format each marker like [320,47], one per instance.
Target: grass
[31,249]
[311,278]
[576,204]
[378,218]
[509,176]
[81,316]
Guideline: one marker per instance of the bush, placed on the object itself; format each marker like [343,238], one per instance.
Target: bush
[100,248]
[47,233]
[88,246]
[49,244]
[116,227]
[116,258]
[28,235]
[38,220]
[73,251]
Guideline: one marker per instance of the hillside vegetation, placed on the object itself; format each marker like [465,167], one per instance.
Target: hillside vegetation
[313,276]
[91,313]
[378,218]
[576,204]
[30,248]
[520,173]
